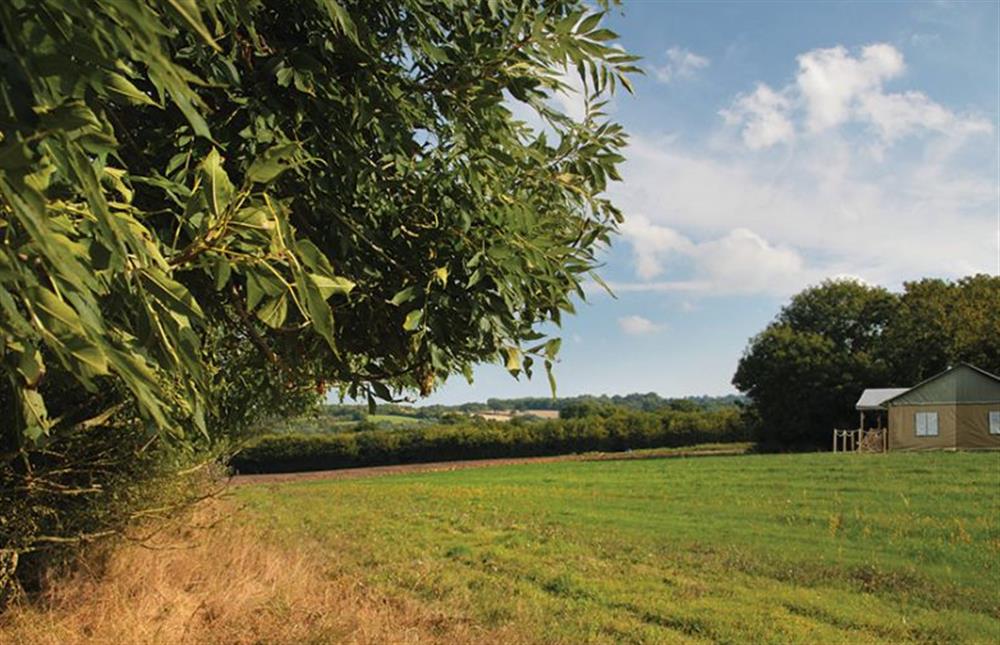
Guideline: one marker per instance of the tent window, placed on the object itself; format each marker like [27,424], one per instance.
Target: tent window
[927,424]
[994,421]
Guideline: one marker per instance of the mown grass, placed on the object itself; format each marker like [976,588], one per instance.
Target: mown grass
[761,548]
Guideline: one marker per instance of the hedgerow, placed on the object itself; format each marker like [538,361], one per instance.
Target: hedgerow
[617,432]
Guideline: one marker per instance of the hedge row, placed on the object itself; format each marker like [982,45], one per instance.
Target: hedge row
[618,432]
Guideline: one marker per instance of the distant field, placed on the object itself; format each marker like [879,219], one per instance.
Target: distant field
[395,419]
[765,548]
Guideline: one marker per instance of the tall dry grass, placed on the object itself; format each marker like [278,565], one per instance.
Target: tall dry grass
[216,578]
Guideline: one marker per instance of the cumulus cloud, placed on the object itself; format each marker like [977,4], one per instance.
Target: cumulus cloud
[681,63]
[747,215]
[763,116]
[740,261]
[652,244]
[743,262]
[711,220]
[833,87]
[831,80]
[638,326]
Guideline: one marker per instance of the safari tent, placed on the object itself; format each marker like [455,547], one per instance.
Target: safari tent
[958,408]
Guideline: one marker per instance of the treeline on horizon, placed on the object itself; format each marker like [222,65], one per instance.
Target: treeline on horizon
[610,429]
[344,417]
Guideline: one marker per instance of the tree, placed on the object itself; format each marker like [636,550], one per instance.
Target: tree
[214,210]
[805,371]
[941,323]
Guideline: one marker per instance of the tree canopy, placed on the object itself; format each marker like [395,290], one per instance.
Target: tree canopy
[806,370]
[216,210]
[333,193]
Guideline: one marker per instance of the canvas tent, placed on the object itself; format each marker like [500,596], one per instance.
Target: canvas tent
[958,408]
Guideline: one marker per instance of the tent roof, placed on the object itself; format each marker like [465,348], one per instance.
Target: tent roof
[874,397]
[962,383]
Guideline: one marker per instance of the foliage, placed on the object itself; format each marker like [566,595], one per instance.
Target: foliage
[941,323]
[291,161]
[882,548]
[212,211]
[806,370]
[617,432]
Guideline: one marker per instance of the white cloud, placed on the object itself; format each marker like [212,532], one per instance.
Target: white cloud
[743,262]
[637,325]
[764,115]
[681,63]
[651,244]
[715,220]
[830,80]
[834,87]
[743,215]
[739,261]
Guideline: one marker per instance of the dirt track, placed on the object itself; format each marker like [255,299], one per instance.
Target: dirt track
[440,466]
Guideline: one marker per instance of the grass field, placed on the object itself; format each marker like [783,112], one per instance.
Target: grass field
[764,548]
[395,419]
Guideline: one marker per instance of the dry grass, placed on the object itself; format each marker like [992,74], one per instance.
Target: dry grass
[213,578]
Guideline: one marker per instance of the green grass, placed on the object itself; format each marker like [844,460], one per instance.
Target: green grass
[812,548]
[395,419]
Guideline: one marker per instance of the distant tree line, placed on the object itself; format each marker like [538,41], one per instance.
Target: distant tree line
[621,430]
[647,402]
[805,371]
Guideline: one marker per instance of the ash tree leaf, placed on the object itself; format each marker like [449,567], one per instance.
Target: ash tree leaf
[329,286]
[403,295]
[274,311]
[513,362]
[275,160]
[413,319]
[35,414]
[552,348]
[172,294]
[216,187]
[123,89]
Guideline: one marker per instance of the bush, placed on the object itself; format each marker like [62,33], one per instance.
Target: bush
[616,432]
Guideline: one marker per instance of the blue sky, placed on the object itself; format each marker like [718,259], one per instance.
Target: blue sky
[775,145]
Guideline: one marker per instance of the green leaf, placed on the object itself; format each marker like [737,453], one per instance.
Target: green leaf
[274,311]
[328,286]
[317,309]
[217,188]
[171,294]
[552,378]
[121,87]
[513,362]
[36,416]
[413,319]
[188,10]
[341,18]
[69,117]
[31,366]
[552,348]
[588,23]
[276,160]
[404,295]
[381,391]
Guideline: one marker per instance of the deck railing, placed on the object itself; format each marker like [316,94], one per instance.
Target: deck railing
[858,440]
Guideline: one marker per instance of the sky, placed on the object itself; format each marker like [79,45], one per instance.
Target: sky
[774,145]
